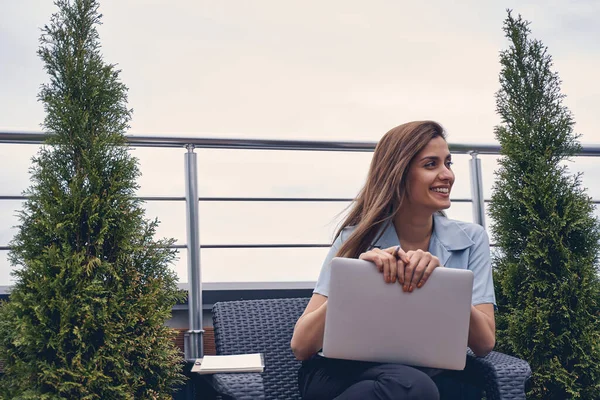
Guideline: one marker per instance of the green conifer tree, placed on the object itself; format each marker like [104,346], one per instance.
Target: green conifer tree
[546,278]
[93,288]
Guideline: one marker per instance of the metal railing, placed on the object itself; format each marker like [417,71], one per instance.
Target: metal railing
[189,144]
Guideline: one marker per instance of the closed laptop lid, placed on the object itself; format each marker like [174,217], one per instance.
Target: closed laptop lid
[370,320]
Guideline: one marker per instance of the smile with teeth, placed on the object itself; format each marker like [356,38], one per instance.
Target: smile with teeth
[441,190]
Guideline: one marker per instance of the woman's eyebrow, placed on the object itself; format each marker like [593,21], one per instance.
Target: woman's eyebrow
[435,158]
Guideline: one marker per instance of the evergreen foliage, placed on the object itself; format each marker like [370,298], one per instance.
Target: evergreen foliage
[546,277]
[92,288]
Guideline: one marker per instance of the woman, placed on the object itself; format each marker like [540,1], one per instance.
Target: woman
[396,222]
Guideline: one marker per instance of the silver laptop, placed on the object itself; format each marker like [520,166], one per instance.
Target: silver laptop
[370,320]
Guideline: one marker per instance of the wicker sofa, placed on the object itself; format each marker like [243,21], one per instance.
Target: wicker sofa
[265,326]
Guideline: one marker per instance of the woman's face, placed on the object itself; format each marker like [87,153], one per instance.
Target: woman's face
[430,179]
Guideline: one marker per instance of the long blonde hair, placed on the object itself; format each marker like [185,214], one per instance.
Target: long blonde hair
[385,188]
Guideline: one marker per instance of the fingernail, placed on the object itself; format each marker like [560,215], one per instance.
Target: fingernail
[404,288]
[410,289]
[420,284]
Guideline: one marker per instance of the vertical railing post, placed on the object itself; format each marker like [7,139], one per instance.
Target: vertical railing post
[477,189]
[193,346]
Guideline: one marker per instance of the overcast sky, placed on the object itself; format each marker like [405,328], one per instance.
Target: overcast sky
[327,70]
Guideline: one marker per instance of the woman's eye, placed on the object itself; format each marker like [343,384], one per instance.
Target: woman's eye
[449,164]
[430,164]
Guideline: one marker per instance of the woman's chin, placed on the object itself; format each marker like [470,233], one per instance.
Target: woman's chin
[444,206]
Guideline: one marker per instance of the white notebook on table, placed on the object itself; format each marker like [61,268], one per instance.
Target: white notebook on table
[229,364]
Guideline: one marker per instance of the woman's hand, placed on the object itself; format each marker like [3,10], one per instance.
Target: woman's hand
[416,272]
[389,262]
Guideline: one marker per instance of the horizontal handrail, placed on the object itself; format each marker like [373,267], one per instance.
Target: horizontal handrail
[240,199]
[246,144]
[240,246]
[247,246]
[17,137]
[257,199]
[144,198]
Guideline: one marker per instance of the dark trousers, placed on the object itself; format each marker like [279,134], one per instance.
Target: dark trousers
[325,379]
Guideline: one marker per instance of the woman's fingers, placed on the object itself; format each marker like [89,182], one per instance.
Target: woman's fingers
[420,267]
[400,265]
[389,265]
[398,253]
[384,261]
[411,269]
[374,258]
[422,270]
[399,261]
[433,264]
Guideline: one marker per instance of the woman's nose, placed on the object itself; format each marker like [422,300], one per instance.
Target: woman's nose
[446,174]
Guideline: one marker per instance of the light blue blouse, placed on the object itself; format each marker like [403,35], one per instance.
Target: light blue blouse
[457,245]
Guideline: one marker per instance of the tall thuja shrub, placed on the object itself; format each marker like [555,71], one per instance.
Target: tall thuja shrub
[92,288]
[546,279]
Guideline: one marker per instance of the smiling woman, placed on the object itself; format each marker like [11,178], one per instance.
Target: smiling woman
[397,223]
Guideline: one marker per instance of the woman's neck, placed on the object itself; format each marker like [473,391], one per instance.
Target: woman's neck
[413,230]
